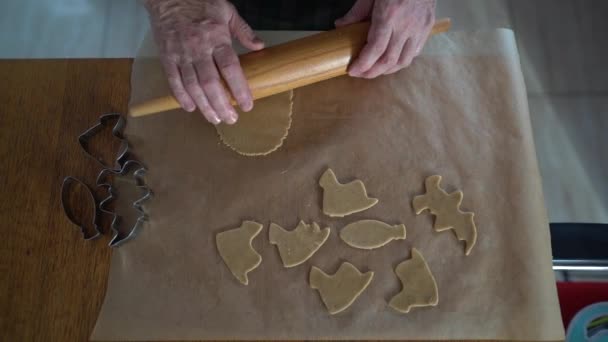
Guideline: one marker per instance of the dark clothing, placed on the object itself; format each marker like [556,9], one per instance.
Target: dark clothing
[311,15]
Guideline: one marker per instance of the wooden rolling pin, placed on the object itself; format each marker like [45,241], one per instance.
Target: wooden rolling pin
[293,64]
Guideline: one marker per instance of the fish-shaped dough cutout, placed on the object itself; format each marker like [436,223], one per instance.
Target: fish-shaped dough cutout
[298,245]
[370,234]
[340,200]
[340,290]
[235,248]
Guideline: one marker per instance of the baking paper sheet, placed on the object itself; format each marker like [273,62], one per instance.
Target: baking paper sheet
[459,111]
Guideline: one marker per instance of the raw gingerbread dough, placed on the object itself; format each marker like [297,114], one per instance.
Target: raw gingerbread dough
[298,245]
[446,208]
[418,284]
[340,290]
[262,130]
[235,248]
[340,200]
[370,234]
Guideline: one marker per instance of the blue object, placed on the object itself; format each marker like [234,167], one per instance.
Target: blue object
[577,330]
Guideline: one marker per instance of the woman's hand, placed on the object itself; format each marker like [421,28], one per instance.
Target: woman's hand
[398,31]
[195,43]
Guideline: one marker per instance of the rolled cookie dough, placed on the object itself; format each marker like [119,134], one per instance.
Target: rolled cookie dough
[340,200]
[298,245]
[418,284]
[370,234]
[446,208]
[262,130]
[340,290]
[235,248]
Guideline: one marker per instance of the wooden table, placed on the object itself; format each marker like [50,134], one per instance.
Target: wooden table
[52,283]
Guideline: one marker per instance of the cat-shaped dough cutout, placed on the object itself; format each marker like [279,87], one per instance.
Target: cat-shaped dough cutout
[418,284]
[298,245]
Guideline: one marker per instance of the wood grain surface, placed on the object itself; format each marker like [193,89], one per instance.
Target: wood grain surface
[52,282]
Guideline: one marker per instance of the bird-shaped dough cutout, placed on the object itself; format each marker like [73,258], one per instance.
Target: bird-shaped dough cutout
[235,248]
[340,290]
[340,200]
[418,284]
[370,234]
[446,208]
[298,245]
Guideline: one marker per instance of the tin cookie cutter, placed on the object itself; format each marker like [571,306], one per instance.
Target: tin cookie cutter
[104,121]
[65,186]
[137,171]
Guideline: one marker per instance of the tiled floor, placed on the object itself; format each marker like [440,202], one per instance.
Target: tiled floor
[562,46]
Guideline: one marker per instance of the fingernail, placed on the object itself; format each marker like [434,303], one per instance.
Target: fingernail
[216,120]
[247,106]
[258,41]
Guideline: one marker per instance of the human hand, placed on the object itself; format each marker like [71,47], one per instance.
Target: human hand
[195,44]
[398,31]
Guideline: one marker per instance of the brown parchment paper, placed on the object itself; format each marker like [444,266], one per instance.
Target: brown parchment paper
[459,111]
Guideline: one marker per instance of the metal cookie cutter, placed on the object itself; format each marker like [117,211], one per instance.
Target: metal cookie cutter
[104,121]
[67,183]
[136,170]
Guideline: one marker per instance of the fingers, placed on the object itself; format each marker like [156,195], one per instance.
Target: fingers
[390,58]
[425,35]
[243,32]
[405,59]
[230,68]
[211,85]
[177,87]
[377,41]
[194,89]
[357,13]
[397,34]
[203,85]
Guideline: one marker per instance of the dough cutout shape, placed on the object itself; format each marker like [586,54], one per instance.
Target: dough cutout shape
[446,208]
[370,234]
[419,288]
[340,200]
[235,248]
[340,290]
[263,129]
[298,245]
